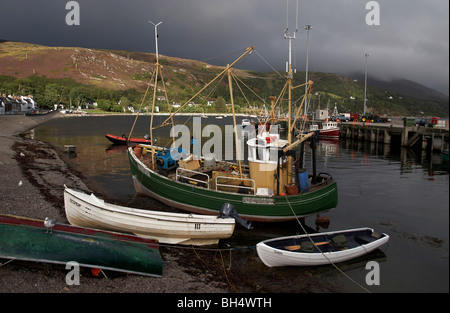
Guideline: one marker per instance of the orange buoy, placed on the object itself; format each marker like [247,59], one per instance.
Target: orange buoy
[95,271]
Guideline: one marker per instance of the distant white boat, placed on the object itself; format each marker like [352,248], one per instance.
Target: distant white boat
[172,228]
[337,246]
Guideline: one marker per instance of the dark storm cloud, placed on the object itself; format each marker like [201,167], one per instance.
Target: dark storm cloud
[410,42]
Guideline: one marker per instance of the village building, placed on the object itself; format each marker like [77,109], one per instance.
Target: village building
[17,104]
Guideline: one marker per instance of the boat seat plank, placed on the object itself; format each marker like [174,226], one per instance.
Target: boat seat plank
[364,239]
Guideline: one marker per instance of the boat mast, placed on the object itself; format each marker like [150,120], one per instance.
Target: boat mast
[157,70]
[238,150]
[290,76]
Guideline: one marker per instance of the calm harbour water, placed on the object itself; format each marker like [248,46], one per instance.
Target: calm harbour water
[400,192]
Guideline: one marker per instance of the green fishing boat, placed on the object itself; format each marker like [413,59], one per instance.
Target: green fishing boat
[269,185]
[195,191]
[33,240]
[444,155]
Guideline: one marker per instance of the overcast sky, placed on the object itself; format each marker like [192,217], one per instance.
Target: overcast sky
[411,40]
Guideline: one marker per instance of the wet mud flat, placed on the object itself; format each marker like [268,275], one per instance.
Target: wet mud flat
[36,173]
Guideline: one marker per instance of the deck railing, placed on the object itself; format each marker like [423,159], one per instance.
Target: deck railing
[236,186]
[181,171]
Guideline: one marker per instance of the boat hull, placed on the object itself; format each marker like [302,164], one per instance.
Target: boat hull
[121,140]
[28,239]
[275,252]
[332,133]
[444,156]
[170,228]
[250,207]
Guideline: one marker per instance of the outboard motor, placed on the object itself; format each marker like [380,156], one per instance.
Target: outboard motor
[228,210]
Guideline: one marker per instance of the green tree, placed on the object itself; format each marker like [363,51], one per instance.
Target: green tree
[104,104]
[117,108]
[220,105]
[124,103]
[52,95]
[76,96]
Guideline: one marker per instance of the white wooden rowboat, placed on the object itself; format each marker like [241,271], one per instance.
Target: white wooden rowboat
[337,246]
[172,228]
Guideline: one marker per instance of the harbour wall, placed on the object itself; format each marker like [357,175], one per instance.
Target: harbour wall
[426,138]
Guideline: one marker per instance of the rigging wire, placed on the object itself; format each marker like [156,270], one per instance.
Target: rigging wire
[223,55]
[283,77]
[295,45]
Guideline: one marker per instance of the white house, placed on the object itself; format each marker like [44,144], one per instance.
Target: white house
[27,103]
[16,104]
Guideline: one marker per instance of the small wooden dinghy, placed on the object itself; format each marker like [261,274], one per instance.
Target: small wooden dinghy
[50,242]
[172,228]
[337,246]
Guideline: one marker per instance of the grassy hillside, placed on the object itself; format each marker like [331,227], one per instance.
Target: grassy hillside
[74,75]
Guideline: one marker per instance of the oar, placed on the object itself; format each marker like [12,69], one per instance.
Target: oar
[297,247]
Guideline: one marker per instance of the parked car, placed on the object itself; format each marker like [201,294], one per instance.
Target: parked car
[421,122]
[340,118]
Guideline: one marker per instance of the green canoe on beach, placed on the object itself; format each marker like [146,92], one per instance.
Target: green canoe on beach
[29,240]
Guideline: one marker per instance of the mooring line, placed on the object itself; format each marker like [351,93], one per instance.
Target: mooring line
[331,262]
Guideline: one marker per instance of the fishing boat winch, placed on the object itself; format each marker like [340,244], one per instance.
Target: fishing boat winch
[165,158]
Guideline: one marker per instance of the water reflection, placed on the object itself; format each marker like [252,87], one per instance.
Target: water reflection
[399,191]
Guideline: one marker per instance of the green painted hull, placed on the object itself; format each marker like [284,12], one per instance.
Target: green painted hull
[253,208]
[444,156]
[29,240]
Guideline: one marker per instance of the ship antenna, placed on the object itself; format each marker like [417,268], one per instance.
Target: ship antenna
[288,36]
[156,39]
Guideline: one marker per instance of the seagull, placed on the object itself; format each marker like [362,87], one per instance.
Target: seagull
[49,223]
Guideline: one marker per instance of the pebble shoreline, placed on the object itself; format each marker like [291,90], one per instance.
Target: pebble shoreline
[21,197]
[32,175]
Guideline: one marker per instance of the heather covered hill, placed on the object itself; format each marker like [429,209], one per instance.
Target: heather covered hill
[115,78]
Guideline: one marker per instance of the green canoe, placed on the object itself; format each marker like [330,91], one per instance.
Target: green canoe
[28,239]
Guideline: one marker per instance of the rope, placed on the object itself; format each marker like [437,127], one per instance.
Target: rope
[6,262]
[329,261]
[208,249]
[225,272]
